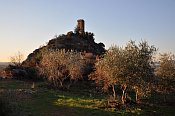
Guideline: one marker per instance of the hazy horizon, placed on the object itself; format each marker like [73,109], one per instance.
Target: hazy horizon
[26,25]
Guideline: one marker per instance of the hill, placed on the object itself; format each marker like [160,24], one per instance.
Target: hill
[79,40]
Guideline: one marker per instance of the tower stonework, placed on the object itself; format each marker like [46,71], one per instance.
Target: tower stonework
[80,26]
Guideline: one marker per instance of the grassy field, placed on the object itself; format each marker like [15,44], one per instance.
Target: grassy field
[43,101]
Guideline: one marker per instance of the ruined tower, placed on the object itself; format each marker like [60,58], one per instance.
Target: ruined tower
[80,26]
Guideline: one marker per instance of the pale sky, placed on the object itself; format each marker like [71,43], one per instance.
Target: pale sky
[27,24]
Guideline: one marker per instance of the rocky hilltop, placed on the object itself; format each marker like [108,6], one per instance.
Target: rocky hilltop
[79,40]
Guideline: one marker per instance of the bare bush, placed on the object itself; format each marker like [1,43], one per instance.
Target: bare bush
[17,59]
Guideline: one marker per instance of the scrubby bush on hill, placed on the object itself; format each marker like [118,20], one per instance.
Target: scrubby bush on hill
[20,72]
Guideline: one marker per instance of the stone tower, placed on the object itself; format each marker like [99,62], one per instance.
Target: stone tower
[80,26]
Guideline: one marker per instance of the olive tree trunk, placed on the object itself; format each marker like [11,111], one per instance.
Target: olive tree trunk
[114,93]
[123,94]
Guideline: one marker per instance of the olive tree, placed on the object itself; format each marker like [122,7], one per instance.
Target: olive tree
[129,67]
[139,69]
[108,69]
[166,73]
[61,65]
